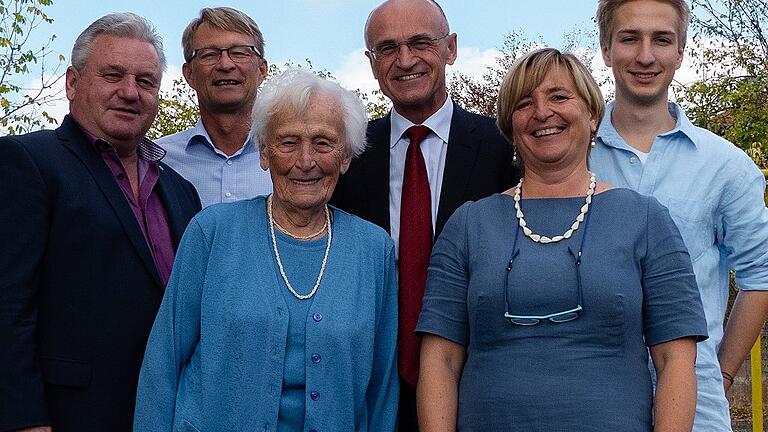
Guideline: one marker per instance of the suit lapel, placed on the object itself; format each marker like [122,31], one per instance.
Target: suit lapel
[459,161]
[72,138]
[377,169]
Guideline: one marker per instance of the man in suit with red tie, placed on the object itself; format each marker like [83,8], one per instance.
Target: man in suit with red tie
[425,158]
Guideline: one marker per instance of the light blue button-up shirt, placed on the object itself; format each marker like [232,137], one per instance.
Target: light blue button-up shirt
[216,176]
[715,195]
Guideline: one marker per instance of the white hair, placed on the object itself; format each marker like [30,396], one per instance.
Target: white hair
[293,88]
[122,24]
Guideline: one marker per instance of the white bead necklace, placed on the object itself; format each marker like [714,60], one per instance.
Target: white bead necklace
[544,239]
[272,224]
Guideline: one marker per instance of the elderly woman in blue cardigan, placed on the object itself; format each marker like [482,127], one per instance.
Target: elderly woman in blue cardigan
[281,312]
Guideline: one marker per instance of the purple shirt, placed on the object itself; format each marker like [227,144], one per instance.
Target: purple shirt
[148,209]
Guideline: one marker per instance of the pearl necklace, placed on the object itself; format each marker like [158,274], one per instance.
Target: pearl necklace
[272,224]
[579,219]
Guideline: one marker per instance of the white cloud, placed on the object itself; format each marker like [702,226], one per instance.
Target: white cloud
[473,62]
[355,73]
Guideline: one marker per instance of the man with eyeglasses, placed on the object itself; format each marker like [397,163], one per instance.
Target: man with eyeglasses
[426,158]
[224,54]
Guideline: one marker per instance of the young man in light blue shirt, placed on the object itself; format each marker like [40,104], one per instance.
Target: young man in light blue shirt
[714,192]
[224,55]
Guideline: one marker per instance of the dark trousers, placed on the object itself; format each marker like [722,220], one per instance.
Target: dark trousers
[407,421]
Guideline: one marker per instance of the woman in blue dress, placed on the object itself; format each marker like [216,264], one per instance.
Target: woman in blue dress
[542,302]
[281,312]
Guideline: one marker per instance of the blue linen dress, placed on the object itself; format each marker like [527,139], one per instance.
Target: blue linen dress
[216,356]
[589,374]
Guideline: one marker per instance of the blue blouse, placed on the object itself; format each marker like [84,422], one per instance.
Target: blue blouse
[216,356]
[588,374]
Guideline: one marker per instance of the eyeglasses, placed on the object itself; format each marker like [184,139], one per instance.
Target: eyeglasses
[237,53]
[415,45]
[555,317]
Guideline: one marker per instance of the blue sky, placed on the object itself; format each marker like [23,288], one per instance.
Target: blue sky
[330,32]
[327,31]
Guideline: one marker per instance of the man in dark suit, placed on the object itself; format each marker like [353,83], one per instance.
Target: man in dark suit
[90,220]
[426,158]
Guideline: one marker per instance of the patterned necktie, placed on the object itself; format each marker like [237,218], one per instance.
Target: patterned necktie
[415,248]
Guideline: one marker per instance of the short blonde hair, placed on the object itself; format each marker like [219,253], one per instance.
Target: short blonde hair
[528,71]
[606,11]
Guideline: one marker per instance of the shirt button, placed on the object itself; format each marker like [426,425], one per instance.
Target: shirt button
[314,395]
[229,162]
[633,160]
[228,194]
[316,358]
[317,316]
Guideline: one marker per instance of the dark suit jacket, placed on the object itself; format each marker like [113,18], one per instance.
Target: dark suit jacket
[78,287]
[478,164]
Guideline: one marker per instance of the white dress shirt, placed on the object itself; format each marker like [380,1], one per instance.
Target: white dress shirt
[434,148]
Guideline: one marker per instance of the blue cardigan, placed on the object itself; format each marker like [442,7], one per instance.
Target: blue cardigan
[215,357]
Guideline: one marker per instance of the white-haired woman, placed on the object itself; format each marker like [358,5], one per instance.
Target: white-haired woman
[281,312]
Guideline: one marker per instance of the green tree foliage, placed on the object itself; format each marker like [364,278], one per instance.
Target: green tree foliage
[178,110]
[22,108]
[730,53]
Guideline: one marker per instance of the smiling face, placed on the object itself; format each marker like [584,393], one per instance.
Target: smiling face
[225,87]
[552,126]
[115,96]
[306,153]
[644,52]
[413,79]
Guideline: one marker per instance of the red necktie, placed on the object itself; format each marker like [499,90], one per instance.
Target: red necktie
[415,248]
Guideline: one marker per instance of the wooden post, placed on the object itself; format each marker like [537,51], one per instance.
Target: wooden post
[755,359]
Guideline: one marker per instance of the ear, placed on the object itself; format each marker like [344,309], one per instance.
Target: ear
[264,158]
[345,164]
[263,71]
[452,48]
[372,62]
[680,56]
[593,124]
[72,76]
[186,70]
[606,52]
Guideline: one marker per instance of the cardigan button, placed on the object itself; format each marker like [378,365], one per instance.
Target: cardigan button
[317,317]
[316,358]
[314,395]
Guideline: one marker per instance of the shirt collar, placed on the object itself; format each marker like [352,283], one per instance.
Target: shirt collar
[609,136]
[147,150]
[439,123]
[199,131]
